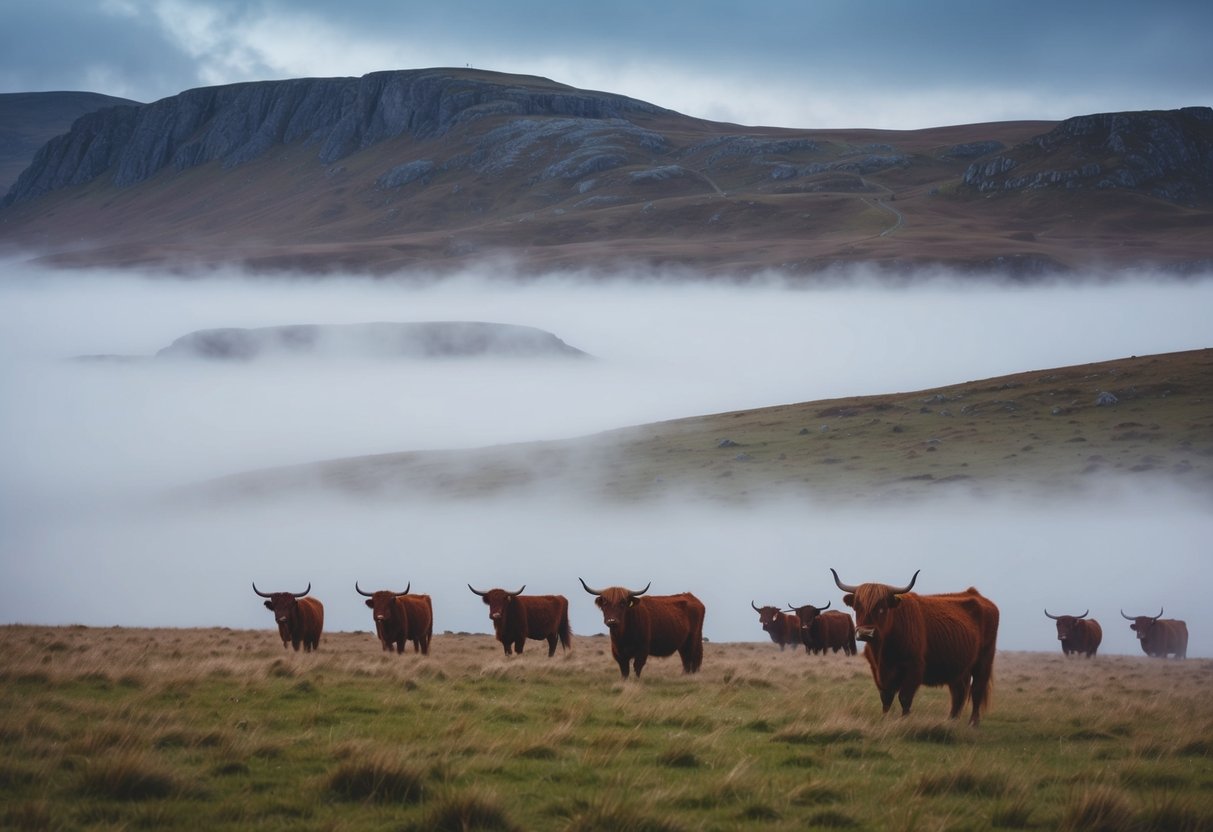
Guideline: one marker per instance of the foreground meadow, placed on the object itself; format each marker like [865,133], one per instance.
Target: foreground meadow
[222,729]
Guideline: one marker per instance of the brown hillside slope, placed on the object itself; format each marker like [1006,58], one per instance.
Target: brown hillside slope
[1039,432]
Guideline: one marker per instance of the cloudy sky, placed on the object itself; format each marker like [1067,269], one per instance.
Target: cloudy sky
[795,63]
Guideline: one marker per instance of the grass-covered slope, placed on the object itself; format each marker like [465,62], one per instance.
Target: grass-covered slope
[1040,432]
[221,729]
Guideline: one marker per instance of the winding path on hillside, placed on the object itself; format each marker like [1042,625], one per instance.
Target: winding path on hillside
[879,202]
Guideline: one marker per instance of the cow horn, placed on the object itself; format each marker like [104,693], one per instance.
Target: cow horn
[259,592]
[1085,613]
[826,607]
[1160,612]
[841,585]
[908,586]
[1126,617]
[519,592]
[1054,617]
[305,592]
[755,608]
[361,591]
[587,589]
[478,592]
[406,590]
[632,594]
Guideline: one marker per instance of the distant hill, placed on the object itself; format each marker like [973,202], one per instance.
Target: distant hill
[1042,433]
[29,120]
[436,169]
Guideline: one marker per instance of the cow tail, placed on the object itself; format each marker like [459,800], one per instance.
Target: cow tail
[565,631]
[697,643]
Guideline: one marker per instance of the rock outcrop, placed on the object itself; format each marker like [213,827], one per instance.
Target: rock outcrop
[428,339]
[237,123]
[1165,153]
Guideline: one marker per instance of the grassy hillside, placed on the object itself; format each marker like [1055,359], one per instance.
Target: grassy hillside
[1040,432]
[221,729]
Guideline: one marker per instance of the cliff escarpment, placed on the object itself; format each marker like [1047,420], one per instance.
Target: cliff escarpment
[1168,154]
[237,123]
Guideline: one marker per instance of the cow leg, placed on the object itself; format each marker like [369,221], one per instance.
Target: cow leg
[960,692]
[552,640]
[886,699]
[509,649]
[624,667]
[983,674]
[906,697]
[639,663]
[519,644]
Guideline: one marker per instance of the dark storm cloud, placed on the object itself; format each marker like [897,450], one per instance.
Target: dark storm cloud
[65,45]
[822,64]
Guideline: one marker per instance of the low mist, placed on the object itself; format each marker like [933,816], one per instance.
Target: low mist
[87,447]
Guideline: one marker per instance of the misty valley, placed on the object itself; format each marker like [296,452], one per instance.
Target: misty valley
[94,446]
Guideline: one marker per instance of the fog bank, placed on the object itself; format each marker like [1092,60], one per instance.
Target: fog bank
[84,444]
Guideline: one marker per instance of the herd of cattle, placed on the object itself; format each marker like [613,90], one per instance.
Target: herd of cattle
[911,639]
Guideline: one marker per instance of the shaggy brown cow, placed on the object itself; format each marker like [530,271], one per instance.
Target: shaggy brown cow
[656,625]
[1077,633]
[782,628]
[387,609]
[420,614]
[517,617]
[300,619]
[915,640]
[821,631]
[1160,638]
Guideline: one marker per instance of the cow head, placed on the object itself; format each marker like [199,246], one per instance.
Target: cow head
[807,614]
[498,600]
[615,602]
[1067,625]
[768,617]
[383,601]
[1142,624]
[874,605]
[282,605]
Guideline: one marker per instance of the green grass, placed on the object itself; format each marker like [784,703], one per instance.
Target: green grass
[114,728]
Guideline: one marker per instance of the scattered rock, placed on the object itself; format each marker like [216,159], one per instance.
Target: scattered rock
[726,443]
[1106,399]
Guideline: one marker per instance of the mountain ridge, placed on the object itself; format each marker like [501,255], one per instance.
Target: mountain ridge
[441,168]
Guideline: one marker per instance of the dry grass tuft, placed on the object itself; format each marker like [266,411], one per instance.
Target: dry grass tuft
[605,814]
[1098,809]
[129,775]
[378,777]
[466,812]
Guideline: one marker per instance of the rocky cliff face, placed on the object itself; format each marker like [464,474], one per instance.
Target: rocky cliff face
[1168,154]
[338,116]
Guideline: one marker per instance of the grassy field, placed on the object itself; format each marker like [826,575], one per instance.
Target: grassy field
[222,729]
[1038,433]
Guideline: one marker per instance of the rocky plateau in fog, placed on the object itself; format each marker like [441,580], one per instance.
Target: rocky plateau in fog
[379,340]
